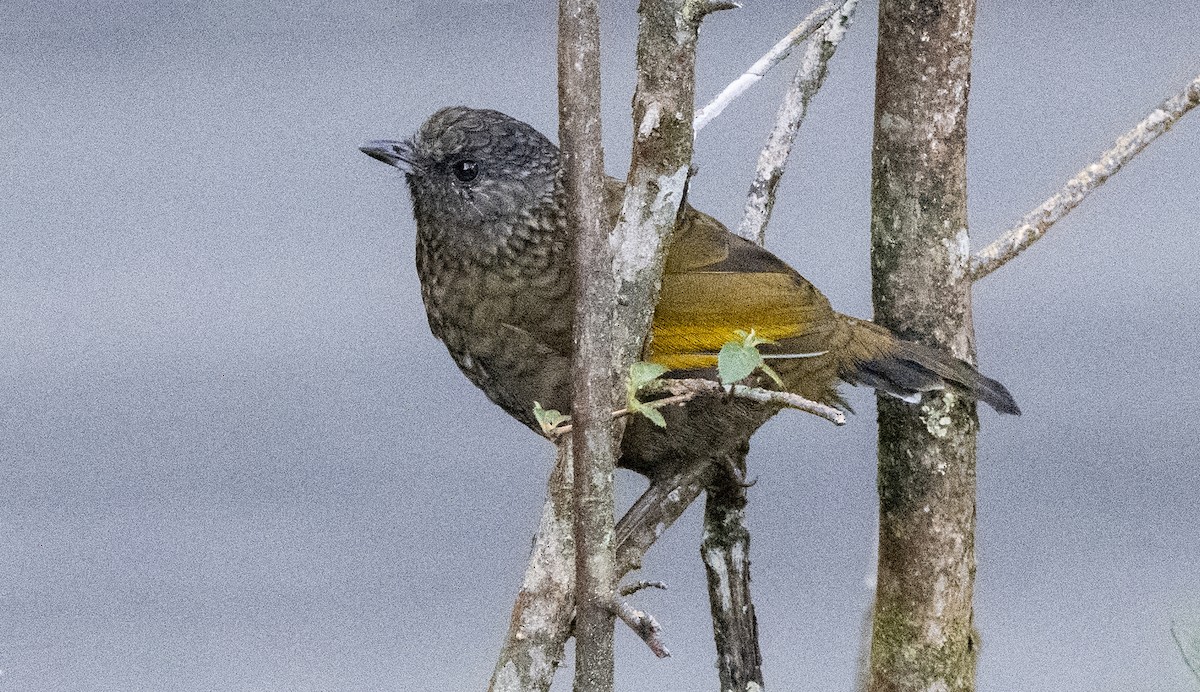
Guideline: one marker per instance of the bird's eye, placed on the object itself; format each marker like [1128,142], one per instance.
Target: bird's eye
[465,170]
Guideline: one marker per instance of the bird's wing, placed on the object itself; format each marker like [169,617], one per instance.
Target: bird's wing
[716,283]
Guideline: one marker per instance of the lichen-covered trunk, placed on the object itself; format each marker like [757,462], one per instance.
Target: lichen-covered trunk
[920,250]
[726,554]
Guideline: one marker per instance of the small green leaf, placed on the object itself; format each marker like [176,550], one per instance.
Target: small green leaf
[548,418]
[772,374]
[642,373]
[736,361]
[750,339]
[655,416]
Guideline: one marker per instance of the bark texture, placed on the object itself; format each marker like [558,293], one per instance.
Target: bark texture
[725,550]
[662,149]
[541,615]
[594,398]
[920,253]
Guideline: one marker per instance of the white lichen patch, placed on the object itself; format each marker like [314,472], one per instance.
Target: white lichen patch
[894,123]
[936,414]
[715,560]
[650,120]
[635,241]
[958,251]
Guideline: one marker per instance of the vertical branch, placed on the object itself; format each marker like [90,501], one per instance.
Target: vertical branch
[661,158]
[541,619]
[725,550]
[920,253]
[726,544]
[594,397]
[658,170]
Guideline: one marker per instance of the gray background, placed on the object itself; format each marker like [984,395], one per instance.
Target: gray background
[233,458]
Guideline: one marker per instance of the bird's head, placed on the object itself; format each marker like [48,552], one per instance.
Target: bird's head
[473,170]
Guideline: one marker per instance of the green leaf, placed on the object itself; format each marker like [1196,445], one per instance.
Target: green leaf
[750,339]
[642,373]
[548,418]
[655,416]
[772,374]
[736,361]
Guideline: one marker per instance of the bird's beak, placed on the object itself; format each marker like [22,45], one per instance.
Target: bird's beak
[393,153]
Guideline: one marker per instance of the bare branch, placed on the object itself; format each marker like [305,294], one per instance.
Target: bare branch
[643,625]
[631,589]
[922,636]
[1191,658]
[541,620]
[661,158]
[541,616]
[659,165]
[709,6]
[656,510]
[763,396]
[773,57]
[1035,224]
[774,155]
[725,550]
[593,444]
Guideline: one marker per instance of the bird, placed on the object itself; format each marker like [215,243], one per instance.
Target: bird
[494,259]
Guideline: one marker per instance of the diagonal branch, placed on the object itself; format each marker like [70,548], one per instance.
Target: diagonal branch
[643,625]
[773,57]
[542,614]
[774,155]
[1035,224]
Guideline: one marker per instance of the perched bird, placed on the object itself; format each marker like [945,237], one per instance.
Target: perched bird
[494,258]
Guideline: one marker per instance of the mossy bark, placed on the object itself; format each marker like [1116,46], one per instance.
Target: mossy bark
[922,631]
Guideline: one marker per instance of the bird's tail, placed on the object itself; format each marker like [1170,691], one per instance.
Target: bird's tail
[875,357]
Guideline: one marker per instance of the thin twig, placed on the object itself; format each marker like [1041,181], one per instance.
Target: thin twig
[774,155]
[772,58]
[1035,224]
[710,6]
[683,391]
[763,396]
[683,397]
[631,589]
[1190,658]
[643,625]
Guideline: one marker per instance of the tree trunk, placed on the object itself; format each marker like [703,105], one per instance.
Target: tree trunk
[920,251]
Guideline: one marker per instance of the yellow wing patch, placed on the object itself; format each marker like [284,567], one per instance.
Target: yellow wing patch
[699,311]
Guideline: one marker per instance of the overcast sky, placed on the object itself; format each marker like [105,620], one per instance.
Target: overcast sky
[232,457]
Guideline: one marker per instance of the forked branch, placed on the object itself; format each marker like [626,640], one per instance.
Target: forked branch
[759,69]
[774,155]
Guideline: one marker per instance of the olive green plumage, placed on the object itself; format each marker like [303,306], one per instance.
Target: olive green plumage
[494,259]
